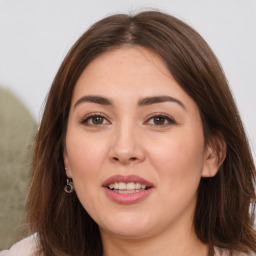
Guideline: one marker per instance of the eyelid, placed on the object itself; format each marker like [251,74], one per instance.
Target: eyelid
[169,118]
[85,118]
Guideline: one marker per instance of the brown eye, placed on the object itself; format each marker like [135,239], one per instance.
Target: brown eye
[94,120]
[97,120]
[160,120]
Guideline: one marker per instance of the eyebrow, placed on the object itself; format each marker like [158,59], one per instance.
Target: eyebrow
[94,99]
[159,99]
[142,102]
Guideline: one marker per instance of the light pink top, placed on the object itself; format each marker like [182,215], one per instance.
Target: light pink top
[28,247]
[25,247]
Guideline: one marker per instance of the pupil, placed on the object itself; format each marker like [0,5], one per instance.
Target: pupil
[97,120]
[159,120]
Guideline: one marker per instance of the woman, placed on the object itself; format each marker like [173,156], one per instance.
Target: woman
[142,127]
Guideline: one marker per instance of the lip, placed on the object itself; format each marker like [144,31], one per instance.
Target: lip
[129,198]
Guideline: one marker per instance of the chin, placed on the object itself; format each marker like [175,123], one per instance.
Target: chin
[128,226]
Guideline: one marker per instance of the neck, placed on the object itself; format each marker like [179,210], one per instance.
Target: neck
[176,242]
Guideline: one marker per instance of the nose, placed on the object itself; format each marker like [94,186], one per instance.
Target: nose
[127,146]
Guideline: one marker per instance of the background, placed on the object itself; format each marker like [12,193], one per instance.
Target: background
[36,35]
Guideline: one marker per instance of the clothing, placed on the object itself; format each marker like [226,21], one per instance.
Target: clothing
[25,247]
[28,247]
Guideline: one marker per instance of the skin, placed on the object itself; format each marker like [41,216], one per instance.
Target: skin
[127,139]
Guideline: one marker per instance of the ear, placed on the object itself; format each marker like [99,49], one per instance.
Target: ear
[67,165]
[214,156]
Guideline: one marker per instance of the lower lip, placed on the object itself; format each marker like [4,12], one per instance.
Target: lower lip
[127,198]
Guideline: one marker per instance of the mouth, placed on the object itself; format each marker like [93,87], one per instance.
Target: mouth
[127,189]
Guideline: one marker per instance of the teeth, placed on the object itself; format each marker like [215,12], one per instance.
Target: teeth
[116,186]
[143,186]
[131,186]
[122,185]
[111,186]
[126,191]
[138,186]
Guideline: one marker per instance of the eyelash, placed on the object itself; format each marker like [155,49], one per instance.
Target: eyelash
[165,118]
[86,119]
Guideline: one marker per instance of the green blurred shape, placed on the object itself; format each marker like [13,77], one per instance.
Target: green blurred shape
[17,130]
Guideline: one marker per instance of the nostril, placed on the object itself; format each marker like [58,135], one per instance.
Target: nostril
[129,159]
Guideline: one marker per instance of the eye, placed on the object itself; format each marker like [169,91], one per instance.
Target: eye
[94,120]
[160,120]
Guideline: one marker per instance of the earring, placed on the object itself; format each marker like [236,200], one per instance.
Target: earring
[69,188]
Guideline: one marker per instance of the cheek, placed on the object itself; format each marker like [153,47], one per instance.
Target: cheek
[179,160]
[85,154]
[85,158]
[179,166]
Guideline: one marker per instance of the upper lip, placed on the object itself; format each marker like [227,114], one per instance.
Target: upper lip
[126,179]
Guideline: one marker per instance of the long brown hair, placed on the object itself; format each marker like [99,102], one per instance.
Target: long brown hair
[224,213]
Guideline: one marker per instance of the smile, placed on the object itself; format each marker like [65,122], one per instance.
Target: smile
[127,189]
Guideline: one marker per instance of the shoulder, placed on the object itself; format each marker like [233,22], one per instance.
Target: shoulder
[26,247]
[223,252]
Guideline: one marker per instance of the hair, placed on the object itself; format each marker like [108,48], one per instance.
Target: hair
[224,214]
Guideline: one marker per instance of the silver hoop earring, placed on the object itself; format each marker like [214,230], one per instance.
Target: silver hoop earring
[69,188]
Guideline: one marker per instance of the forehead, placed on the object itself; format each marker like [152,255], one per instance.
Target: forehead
[130,72]
[129,60]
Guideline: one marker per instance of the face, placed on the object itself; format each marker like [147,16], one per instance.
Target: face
[135,145]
